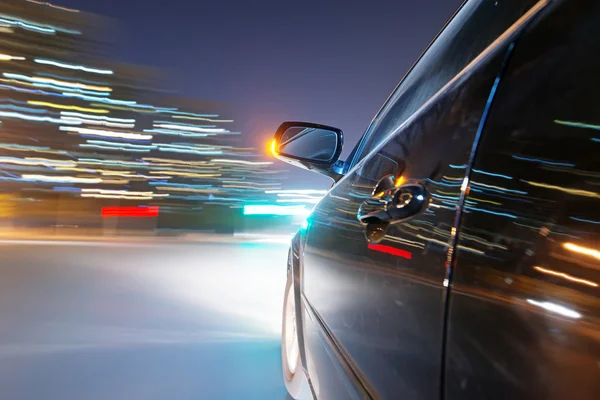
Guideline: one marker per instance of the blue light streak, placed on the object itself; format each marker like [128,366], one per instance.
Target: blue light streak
[585,220]
[543,161]
[492,174]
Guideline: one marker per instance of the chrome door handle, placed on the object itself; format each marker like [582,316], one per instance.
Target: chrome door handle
[393,205]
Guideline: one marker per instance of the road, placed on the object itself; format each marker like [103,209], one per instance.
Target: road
[143,319]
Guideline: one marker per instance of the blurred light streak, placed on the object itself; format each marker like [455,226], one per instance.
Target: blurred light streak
[113,144]
[23,109]
[470,249]
[97,117]
[188,174]
[492,174]
[99,99]
[298,200]
[390,250]
[203,119]
[226,161]
[36,161]
[34,91]
[298,191]
[175,112]
[98,132]
[35,118]
[577,124]
[69,179]
[176,150]
[191,128]
[115,196]
[96,122]
[442,243]
[108,212]
[67,107]
[27,25]
[498,188]
[57,82]
[576,192]
[500,214]
[582,250]
[585,220]
[6,57]
[99,147]
[555,308]
[72,66]
[186,189]
[43,3]
[111,162]
[178,133]
[121,194]
[458,166]
[543,161]
[274,147]
[485,201]
[271,209]
[565,276]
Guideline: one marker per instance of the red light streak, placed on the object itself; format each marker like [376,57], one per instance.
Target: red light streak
[391,250]
[129,212]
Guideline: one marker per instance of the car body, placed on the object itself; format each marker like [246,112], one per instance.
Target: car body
[457,255]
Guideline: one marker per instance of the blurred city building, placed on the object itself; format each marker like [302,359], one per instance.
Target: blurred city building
[91,143]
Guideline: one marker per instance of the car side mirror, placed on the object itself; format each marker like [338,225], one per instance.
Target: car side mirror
[309,146]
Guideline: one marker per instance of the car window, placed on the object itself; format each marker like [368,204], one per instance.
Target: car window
[475,26]
[528,255]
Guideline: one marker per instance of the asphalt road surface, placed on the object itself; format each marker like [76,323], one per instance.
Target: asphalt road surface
[149,319]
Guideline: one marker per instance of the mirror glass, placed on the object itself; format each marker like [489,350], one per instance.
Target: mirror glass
[314,144]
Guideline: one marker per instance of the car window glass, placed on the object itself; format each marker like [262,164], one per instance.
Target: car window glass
[473,28]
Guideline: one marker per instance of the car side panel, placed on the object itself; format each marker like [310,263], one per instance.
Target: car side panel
[524,314]
[382,306]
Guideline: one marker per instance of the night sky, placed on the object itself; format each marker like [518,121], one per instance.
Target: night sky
[327,61]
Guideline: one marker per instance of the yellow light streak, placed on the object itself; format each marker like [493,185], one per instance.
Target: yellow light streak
[565,276]
[67,107]
[577,192]
[7,57]
[582,250]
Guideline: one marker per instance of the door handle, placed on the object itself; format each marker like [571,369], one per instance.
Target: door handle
[393,205]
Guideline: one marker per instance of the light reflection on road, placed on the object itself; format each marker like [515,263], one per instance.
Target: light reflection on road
[147,319]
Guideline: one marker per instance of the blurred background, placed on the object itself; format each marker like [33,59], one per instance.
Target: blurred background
[144,225]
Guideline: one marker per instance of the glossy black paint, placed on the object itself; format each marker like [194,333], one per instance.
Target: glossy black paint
[491,290]
[383,304]
[524,316]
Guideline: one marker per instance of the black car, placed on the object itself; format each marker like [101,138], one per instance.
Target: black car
[457,255]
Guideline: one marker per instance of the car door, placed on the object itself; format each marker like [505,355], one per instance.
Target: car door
[524,314]
[381,303]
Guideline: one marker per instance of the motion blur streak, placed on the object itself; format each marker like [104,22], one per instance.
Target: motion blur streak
[43,3]
[137,212]
[391,250]
[67,107]
[555,308]
[565,276]
[64,179]
[6,57]
[72,66]
[582,250]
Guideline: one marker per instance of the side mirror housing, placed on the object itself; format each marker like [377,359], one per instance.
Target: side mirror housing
[310,146]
